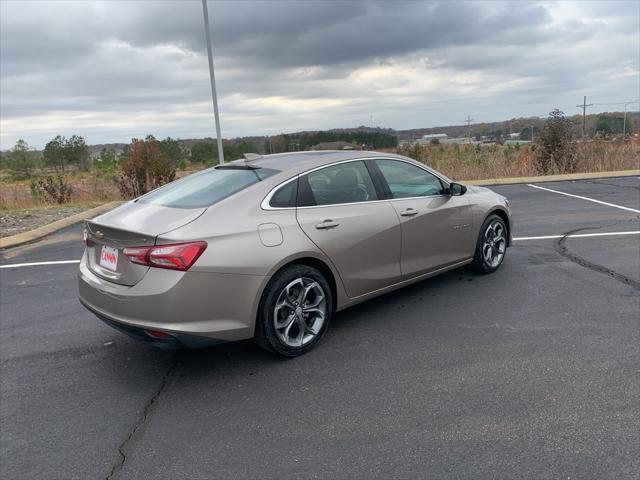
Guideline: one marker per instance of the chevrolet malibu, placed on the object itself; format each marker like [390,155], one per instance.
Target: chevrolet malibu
[271,247]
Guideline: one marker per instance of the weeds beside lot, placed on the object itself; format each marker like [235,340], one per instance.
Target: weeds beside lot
[477,162]
[145,166]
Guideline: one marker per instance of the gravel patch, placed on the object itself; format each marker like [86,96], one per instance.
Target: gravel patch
[13,222]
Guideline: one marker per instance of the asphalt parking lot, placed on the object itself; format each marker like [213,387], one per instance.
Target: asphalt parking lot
[532,372]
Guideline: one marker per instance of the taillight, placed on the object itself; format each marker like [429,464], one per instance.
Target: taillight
[85,238]
[179,256]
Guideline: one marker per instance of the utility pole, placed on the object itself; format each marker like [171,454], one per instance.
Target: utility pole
[212,77]
[469,120]
[584,115]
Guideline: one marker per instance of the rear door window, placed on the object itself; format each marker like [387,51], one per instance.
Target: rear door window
[343,183]
[206,188]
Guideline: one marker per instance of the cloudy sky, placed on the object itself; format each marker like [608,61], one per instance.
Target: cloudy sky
[113,70]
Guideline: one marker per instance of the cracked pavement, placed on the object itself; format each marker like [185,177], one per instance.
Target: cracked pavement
[532,372]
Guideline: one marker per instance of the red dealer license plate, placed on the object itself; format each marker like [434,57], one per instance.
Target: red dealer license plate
[109,258]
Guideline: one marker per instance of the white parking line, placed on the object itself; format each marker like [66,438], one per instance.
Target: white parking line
[577,235]
[34,264]
[585,198]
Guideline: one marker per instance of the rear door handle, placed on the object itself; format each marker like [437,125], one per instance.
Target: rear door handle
[409,212]
[327,224]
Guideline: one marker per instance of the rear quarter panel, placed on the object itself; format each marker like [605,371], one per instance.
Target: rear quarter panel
[231,230]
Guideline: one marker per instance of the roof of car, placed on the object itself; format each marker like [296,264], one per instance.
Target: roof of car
[300,161]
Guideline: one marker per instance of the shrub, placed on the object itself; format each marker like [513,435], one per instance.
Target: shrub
[54,189]
[555,151]
[144,169]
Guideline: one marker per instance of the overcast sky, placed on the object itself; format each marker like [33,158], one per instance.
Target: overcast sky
[114,70]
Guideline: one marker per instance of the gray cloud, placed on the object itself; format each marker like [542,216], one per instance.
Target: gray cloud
[119,69]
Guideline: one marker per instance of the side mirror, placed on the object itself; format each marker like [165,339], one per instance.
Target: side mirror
[456,189]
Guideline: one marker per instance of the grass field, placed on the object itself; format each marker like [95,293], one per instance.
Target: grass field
[471,162]
[460,162]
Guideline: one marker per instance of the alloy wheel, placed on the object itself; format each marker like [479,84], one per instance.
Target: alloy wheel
[300,312]
[494,244]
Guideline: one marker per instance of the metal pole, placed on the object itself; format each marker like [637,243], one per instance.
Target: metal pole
[584,115]
[212,77]
[624,123]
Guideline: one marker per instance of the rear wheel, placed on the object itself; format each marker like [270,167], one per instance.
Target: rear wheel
[491,245]
[294,312]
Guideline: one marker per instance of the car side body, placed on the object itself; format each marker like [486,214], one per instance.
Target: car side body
[364,248]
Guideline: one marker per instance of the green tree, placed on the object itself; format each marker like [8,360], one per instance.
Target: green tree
[603,125]
[77,152]
[170,148]
[54,153]
[22,160]
[108,157]
[61,152]
[204,152]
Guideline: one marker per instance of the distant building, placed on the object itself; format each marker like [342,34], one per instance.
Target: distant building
[458,141]
[433,136]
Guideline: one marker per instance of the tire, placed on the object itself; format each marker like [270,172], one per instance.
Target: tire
[283,316]
[490,252]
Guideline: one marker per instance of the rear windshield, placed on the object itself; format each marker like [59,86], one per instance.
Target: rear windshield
[206,188]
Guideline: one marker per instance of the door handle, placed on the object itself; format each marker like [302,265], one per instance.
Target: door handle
[327,224]
[409,212]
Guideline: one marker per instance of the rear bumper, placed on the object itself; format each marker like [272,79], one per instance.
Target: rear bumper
[188,305]
[176,341]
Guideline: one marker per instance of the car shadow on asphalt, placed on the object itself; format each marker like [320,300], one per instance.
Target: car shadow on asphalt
[369,318]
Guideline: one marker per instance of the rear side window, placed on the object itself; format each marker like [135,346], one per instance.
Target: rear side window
[206,188]
[285,196]
[343,183]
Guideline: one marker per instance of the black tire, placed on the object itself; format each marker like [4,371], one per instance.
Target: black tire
[266,334]
[480,263]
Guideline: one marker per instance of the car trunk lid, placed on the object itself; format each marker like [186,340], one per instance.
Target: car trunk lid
[133,224]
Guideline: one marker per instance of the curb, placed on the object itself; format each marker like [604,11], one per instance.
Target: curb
[43,231]
[40,232]
[553,178]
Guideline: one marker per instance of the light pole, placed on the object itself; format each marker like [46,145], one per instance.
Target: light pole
[212,77]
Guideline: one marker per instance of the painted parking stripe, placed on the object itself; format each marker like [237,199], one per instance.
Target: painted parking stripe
[35,264]
[577,235]
[585,198]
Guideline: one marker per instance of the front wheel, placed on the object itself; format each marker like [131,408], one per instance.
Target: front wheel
[294,312]
[491,245]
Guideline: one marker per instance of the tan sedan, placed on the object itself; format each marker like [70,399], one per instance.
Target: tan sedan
[271,247]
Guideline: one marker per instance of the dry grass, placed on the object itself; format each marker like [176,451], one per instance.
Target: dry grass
[88,188]
[476,162]
[462,162]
